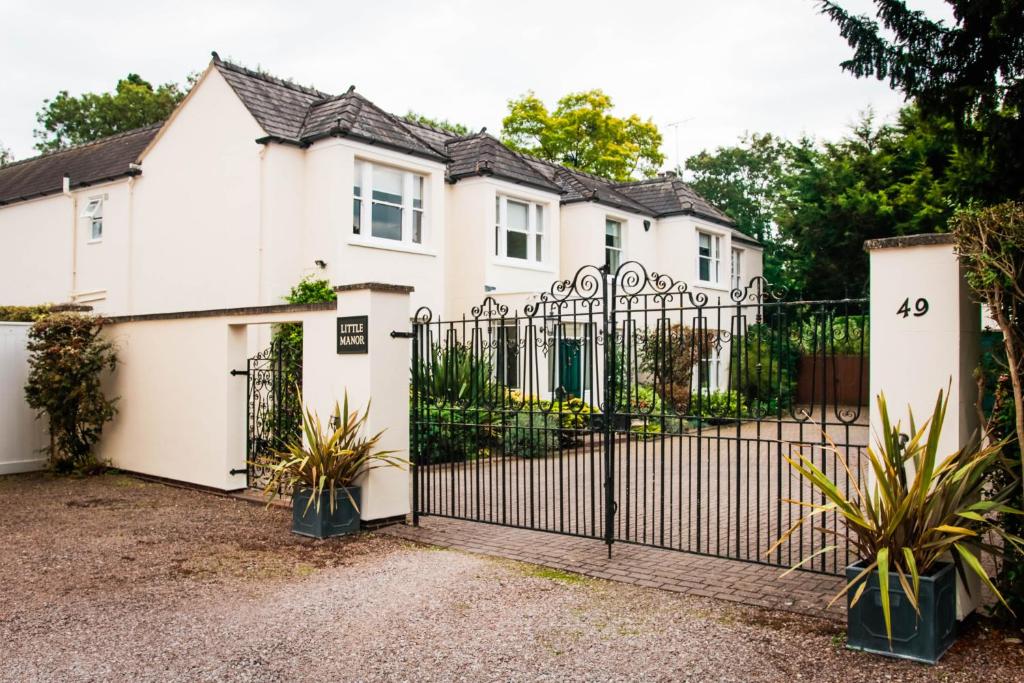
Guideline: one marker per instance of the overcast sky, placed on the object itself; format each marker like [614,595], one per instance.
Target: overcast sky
[718,68]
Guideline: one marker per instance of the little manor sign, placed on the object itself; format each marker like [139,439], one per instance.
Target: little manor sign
[352,333]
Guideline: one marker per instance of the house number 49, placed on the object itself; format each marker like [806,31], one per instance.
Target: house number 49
[920,308]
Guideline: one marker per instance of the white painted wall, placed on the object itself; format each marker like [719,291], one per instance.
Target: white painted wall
[22,436]
[196,223]
[36,257]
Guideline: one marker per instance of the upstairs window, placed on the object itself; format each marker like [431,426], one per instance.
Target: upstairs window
[519,230]
[709,257]
[612,245]
[93,213]
[388,203]
[737,274]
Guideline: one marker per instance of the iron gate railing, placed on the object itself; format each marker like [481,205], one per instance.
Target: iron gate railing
[274,411]
[632,408]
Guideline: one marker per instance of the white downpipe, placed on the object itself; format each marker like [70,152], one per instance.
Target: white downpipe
[66,191]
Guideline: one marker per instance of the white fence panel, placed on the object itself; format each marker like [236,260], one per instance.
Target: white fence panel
[22,436]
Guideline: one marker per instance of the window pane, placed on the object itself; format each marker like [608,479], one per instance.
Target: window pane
[612,259]
[540,218]
[518,217]
[357,215]
[704,270]
[515,242]
[417,227]
[387,221]
[387,185]
[705,244]
[417,191]
[97,228]
[612,233]
[539,250]
[357,180]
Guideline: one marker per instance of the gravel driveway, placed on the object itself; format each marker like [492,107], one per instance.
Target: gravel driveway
[112,578]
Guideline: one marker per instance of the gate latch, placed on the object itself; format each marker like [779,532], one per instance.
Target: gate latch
[236,373]
[236,471]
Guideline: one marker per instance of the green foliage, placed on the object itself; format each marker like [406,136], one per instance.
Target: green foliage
[455,434]
[763,369]
[669,354]
[916,510]
[843,335]
[582,133]
[67,120]
[969,72]
[67,361]
[23,314]
[311,290]
[326,459]
[5,155]
[531,434]
[990,242]
[745,181]
[454,375]
[443,124]
[723,405]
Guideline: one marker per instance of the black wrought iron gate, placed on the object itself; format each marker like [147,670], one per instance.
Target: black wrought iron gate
[274,411]
[632,408]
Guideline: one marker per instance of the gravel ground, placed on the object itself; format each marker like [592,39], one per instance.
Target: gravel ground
[112,578]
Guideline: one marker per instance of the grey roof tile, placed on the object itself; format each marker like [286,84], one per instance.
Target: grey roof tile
[483,154]
[93,162]
[280,107]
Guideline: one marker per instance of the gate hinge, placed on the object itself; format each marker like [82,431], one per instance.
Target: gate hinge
[236,471]
[236,373]
[395,334]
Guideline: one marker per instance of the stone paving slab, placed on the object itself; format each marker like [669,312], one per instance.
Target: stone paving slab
[680,572]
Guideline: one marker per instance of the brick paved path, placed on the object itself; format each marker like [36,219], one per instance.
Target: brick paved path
[735,581]
[721,492]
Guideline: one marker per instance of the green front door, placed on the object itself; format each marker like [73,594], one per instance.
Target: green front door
[569,366]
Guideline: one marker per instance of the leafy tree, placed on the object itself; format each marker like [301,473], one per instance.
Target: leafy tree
[970,73]
[5,155]
[67,120]
[444,124]
[67,361]
[879,181]
[745,181]
[582,133]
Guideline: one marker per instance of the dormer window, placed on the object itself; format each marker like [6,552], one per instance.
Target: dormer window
[93,213]
[519,229]
[388,203]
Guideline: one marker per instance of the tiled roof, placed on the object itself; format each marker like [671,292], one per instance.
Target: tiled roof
[352,115]
[87,164]
[667,195]
[483,154]
[279,106]
[300,115]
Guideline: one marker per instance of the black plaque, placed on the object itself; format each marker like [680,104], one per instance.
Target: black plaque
[353,331]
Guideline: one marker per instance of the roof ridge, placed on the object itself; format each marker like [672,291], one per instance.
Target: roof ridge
[403,123]
[263,76]
[81,145]
[443,131]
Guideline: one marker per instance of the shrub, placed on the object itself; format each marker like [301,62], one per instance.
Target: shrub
[454,435]
[723,405]
[67,360]
[763,368]
[531,434]
[668,355]
[30,314]
[454,375]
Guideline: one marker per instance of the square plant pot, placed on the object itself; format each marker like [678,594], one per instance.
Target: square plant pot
[923,638]
[323,523]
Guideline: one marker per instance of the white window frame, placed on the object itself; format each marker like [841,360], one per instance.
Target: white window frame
[711,374]
[714,259]
[93,212]
[622,241]
[537,218]
[364,169]
[736,267]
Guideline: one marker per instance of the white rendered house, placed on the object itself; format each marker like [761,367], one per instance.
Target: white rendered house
[255,182]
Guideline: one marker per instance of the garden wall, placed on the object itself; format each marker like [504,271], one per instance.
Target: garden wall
[22,436]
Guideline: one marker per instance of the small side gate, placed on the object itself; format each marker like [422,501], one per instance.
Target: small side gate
[274,412]
[628,407]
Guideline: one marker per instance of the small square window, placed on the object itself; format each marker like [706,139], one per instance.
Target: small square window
[93,212]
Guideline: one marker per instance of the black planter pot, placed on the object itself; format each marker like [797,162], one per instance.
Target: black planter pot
[923,639]
[323,523]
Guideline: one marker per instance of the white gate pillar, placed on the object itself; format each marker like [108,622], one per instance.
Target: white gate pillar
[925,336]
[355,352]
